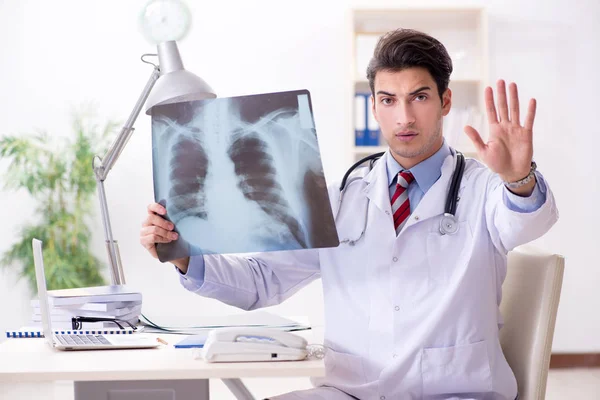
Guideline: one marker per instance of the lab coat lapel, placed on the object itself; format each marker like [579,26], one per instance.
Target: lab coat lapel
[434,201]
[377,190]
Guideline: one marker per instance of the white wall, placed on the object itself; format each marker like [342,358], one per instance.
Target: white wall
[57,55]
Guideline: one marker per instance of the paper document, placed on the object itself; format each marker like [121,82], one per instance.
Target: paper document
[196,325]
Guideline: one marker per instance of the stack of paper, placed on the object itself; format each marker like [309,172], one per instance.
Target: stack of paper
[202,324]
[115,302]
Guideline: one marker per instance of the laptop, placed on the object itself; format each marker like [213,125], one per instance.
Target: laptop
[72,341]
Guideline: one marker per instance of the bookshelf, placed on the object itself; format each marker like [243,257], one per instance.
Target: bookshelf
[464,33]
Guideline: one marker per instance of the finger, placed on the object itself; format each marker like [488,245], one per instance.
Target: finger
[155,230]
[475,138]
[514,104]
[155,220]
[502,105]
[156,208]
[530,114]
[149,241]
[489,105]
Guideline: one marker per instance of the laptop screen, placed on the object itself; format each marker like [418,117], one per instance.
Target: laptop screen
[40,277]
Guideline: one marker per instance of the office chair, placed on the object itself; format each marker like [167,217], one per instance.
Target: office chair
[531,292]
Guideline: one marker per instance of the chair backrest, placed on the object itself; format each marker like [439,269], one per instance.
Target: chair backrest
[530,296]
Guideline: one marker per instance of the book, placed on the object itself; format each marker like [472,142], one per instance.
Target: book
[94,294]
[62,325]
[37,332]
[37,317]
[98,306]
[123,313]
[372,132]
[361,108]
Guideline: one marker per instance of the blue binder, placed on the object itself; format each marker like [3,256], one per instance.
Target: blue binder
[361,115]
[372,129]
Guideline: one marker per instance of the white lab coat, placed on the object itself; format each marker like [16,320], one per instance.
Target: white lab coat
[413,316]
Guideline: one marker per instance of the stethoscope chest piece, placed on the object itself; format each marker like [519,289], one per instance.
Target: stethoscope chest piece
[448,224]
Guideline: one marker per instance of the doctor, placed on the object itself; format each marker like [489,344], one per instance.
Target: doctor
[410,313]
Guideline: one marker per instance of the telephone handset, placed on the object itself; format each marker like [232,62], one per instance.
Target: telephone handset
[253,344]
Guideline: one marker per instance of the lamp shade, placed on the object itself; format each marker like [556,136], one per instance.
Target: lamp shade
[175,84]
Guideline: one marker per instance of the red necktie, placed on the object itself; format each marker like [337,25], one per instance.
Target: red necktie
[400,203]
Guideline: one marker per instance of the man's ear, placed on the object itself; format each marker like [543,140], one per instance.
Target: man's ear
[446,101]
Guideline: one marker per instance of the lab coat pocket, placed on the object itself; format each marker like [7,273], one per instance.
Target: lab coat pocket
[343,368]
[458,369]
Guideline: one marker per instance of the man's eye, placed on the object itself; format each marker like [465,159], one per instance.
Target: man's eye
[421,97]
[386,101]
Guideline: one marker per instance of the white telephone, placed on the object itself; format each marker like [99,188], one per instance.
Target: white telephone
[253,344]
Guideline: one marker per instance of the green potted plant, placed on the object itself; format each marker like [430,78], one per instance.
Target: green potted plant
[57,173]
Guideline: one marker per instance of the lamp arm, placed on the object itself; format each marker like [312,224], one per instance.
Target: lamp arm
[102,167]
[113,153]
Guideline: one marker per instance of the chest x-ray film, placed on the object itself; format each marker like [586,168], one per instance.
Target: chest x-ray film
[241,174]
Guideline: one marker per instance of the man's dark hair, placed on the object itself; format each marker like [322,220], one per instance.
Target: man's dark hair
[407,48]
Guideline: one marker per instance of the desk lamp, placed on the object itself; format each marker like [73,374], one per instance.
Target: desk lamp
[163,22]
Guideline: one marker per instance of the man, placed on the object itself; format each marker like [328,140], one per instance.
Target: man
[409,312]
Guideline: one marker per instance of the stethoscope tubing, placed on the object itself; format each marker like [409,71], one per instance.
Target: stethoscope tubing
[448,223]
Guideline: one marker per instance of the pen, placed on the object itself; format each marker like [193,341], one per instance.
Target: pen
[161,341]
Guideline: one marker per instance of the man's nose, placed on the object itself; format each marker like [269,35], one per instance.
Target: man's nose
[404,114]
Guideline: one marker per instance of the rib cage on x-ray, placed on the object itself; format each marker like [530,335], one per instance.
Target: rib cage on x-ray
[237,183]
[188,170]
[258,180]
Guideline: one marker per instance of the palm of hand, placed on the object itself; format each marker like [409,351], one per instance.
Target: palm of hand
[509,149]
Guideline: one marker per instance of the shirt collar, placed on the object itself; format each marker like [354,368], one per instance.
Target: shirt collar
[426,173]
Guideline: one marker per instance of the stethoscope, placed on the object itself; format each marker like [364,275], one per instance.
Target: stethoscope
[448,222]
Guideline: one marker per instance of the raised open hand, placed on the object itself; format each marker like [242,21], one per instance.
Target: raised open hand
[509,149]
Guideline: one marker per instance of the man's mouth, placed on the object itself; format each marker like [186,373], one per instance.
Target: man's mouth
[406,136]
